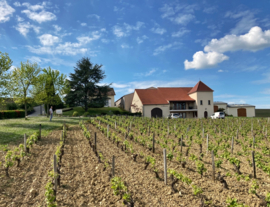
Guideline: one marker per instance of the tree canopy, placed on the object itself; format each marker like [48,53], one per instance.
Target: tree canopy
[22,80]
[5,64]
[84,85]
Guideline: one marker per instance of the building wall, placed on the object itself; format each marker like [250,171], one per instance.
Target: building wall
[128,100]
[136,102]
[148,108]
[233,111]
[118,102]
[112,101]
[204,96]
[224,106]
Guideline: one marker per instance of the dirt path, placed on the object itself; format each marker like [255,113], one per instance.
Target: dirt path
[26,184]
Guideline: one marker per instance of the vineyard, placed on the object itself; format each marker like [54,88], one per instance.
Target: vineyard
[132,161]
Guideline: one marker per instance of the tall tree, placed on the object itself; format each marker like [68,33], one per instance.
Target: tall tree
[51,88]
[5,64]
[22,80]
[84,84]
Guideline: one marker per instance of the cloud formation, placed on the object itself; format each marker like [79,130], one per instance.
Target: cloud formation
[40,17]
[254,40]
[24,28]
[6,11]
[48,39]
[123,31]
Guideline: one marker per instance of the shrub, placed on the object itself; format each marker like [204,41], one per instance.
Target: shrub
[75,113]
[11,106]
[86,114]
[7,114]
[116,112]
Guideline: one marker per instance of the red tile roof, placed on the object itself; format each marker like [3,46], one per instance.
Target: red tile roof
[200,86]
[163,95]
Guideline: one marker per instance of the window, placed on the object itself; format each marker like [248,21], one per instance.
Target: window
[201,103]
[209,102]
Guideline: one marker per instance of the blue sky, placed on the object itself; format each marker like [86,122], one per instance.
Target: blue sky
[225,44]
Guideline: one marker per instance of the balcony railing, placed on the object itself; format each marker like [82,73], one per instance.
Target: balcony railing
[181,108]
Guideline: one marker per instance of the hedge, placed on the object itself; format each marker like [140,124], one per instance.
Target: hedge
[7,114]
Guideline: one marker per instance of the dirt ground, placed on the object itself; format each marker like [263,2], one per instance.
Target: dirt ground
[85,182]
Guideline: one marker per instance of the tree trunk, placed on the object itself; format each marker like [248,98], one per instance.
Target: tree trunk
[85,104]
[47,110]
[25,108]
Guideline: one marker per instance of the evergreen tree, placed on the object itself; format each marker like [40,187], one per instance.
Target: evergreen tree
[84,84]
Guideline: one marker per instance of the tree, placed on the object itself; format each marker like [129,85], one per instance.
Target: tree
[5,64]
[50,88]
[22,80]
[84,85]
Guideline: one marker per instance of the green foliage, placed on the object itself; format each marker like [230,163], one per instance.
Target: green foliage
[8,159]
[84,83]
[32,139]
[118,186]
[218,163]
[75,113]
[8,114]
[200,167]
[49,195]
[232,202]
[21,81]
[170,155]
[5,64]
[254,187]
[196,190]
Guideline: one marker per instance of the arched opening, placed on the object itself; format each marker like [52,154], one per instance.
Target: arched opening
[242,112]
[156,112]
[205,114]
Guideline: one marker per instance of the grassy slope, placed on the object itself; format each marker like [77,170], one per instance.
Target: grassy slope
[12,130]
[92,111]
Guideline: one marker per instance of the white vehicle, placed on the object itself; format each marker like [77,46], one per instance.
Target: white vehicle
[218,115]
[174,116]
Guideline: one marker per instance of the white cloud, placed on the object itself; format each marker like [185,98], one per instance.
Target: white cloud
[48,39]
[126,46]
[163,48]
[141,39]
[6,11]
[183,18]
[57,28]
[131,86]
[35,7]
[159,30]
[68,48]
[40,17]
[266,91]
[210,10]
[266,79]
[119,85]
[246,22]
[83,24]
[179,14]
[180,33]
[222,71]
[205,60]
[254,40]
[126,29]
[93,16]
[146,74]
[17,4]
[12,68]
[19,19]
[105,40]
[24,28]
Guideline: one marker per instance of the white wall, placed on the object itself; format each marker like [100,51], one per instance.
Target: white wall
[204,96]
[233,111]
[148,108]
[137,102]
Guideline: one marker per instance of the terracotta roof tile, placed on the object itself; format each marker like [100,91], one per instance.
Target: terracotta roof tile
[200,86]
[163,95]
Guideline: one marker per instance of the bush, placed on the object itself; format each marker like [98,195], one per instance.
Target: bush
[116,112]
[11,106]
[75,113]
[86,114]
[7,114]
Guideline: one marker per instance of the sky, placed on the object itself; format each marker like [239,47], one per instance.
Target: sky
[148,43]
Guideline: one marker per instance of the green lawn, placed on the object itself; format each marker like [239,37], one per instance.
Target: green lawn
[92,111]
[12,130]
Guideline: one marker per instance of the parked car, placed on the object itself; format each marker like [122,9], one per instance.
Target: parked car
[218,115]
[174,116]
